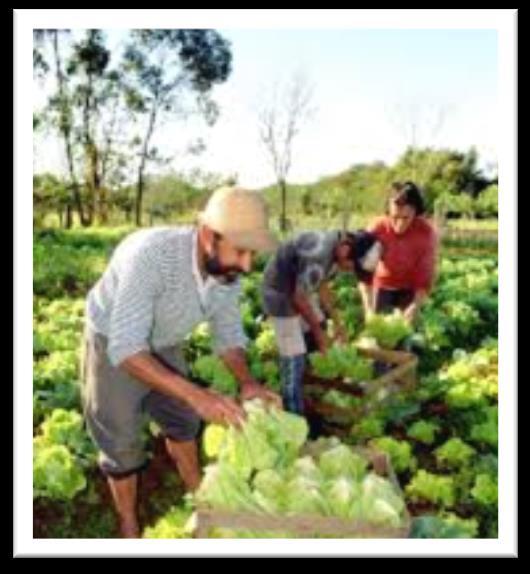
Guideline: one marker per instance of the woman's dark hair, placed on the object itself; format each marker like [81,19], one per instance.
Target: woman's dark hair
[407,193]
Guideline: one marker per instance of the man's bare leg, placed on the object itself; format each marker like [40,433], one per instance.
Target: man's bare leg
[186,457]
[124,492]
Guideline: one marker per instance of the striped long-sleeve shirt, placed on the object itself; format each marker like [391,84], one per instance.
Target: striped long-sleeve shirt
[152,295]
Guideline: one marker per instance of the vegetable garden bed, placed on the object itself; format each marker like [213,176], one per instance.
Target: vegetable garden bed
[337,420]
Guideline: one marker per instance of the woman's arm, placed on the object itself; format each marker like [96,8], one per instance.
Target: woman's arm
[328,302]
[367,297]
[412,310]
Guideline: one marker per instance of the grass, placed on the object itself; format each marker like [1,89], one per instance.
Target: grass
[474,224]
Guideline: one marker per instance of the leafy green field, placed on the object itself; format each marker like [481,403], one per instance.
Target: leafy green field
[441,437]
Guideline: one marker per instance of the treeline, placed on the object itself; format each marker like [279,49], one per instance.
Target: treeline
[105,104]
[453,185]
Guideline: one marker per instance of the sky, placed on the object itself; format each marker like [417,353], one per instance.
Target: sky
[368,86]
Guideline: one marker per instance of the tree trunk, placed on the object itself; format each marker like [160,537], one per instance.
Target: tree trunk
[84,220]
[103,205]
[345,220]
[90,154]
[68,221]
[65,130]
[139,193]
[98,194]
[143,161]
[283,216]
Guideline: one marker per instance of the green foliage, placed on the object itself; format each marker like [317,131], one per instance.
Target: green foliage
[460,314]
[212,370]
[66,428]
[62,269]
[454,453]
[423,431]
[266,342]
[341,461]
[56,473]
[472,378]
[173,524]
[341,400]
[485,490]
[388,330]
[400,452]
[342,362]
[447,525]
[487,203]
[487,432]
[368,427]
[268,437]
[433,488]
[61,453]
[261,469]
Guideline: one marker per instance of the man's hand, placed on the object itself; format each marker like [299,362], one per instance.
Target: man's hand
[216,408]
[235,360]
[209,405]
[323,341]
[256,391]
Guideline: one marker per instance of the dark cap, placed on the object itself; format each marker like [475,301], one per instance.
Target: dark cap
[366,253]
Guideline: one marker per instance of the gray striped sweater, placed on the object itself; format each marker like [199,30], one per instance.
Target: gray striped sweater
[152,295]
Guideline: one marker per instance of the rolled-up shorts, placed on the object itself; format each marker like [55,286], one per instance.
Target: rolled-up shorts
[292,333]
[115,406]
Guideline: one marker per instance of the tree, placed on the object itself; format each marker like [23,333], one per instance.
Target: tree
[280,121]
[487,203]
[123,199]
[306,201]
[164,67]
[441,172]
[471,178]
[50,194]
[208,181]
[40,65]
[169,194]
[60,111]
[88,65]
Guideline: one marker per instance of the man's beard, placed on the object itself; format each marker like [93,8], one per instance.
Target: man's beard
[224,274]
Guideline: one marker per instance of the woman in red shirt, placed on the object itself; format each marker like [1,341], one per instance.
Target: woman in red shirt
[405,274]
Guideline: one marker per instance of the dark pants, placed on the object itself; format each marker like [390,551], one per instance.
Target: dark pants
[386,300]
[292,375]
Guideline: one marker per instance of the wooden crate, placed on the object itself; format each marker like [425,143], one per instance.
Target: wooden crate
[306,526]
[402,376]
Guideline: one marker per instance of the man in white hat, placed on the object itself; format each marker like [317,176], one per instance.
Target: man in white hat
[160,284]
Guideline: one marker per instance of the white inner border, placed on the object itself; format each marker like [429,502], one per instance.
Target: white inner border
[504,21]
